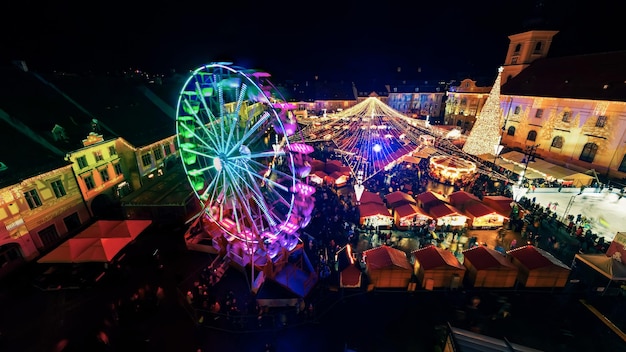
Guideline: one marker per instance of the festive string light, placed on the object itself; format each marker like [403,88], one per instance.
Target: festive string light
[486,131]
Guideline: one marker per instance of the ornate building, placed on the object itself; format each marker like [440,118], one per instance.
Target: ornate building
[572,108]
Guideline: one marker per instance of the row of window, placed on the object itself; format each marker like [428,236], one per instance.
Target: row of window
[32,196]
[146,159]
[588,153]
[566,117]
[82,160]
[104,176]
[33,199]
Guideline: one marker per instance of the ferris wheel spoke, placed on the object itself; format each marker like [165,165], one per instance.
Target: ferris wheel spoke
[242,196]
[200,124]
[210,188]
[256,127]
[234,122]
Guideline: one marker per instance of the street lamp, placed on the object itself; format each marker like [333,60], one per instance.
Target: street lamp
[529,155]
[497,149]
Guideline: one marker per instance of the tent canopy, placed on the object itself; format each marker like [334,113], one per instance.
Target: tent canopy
[545,169]
[607,266]
[100,242]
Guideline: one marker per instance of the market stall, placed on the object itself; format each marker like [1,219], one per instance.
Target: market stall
[446,214]
[436,267]
[374,214]
[501,204]
[398,198]
[387,267]
[487,267]
[538,268]
[408,215]
[480,216]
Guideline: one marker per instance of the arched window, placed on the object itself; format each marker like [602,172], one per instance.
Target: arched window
[459,122]
[532,136]
[557,142]
[510,131]
[538,46]
[589,152]
[518,47]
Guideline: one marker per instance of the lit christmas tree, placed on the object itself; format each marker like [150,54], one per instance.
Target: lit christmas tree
[485,134]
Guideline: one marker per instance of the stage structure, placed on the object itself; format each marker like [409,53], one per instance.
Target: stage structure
[232,127]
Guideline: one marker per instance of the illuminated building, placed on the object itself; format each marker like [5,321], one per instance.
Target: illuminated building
[463,104]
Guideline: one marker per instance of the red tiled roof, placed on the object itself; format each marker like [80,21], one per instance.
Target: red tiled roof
[372,209]
[478,209]
[444,209]
[368,197]
[599,76]
[398,198]
[432,257]
[500,204]
[534,258]
[461,197]
[483,257]
[409,210]
[385,256]
[429,197]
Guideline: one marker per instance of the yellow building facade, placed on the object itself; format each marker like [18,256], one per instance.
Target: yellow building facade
[37,214]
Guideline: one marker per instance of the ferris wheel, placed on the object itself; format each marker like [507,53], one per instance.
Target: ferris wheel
[233,130]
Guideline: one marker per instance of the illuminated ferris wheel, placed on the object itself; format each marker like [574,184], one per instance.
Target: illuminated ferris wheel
[232,128]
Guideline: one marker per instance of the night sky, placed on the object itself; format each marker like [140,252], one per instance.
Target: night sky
[335,40]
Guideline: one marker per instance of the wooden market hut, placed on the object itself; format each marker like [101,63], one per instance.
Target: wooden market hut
[480,216]
[460,199]
[429,199]
[387,267]
[368,197]
[538,268]
[487,267]
[375,214]
[398,198]
[407,214]
[446,214]
[503,205]
[436,267]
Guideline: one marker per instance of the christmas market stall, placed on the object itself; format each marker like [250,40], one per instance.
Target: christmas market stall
[501,204]
[487,267]
[480,216]
[398,198]
[447,215]
[538,268]
[436,267]
[374,214]
[387,267]
[408,215]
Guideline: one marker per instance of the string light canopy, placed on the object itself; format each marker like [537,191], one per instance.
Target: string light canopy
[486,131]
[370,136]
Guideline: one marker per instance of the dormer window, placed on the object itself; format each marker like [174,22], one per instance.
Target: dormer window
[518,48]
[538,47]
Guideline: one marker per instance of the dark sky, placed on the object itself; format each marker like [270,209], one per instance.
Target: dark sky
[336,40]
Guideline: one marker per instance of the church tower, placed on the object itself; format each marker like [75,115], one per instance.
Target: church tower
[525,48]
